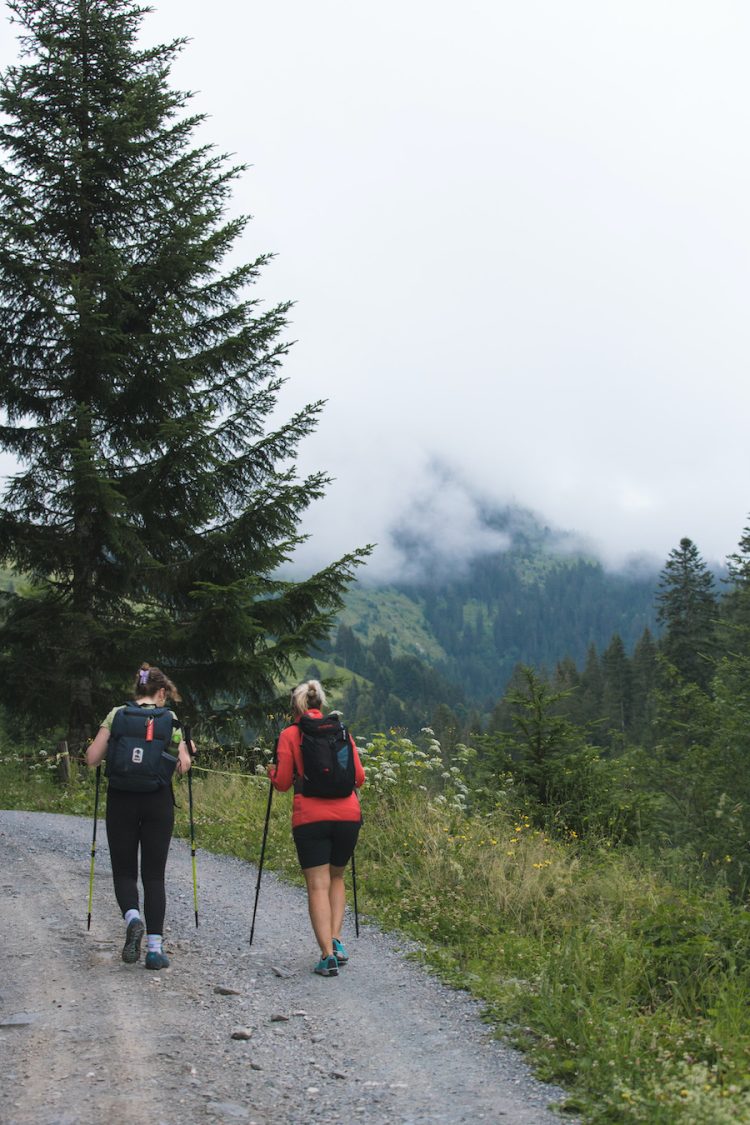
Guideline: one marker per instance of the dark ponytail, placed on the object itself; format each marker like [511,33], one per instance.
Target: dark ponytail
[150,680]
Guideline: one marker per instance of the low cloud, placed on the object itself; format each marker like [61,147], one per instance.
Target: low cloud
[443,528]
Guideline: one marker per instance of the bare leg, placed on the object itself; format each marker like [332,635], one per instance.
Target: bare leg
[337,900]
[318,880]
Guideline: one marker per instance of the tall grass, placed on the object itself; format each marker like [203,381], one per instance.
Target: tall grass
[630,989]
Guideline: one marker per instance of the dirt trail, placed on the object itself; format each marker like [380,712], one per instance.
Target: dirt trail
[86,1039]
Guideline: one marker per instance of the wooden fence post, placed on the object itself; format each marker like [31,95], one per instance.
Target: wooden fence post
[63,762]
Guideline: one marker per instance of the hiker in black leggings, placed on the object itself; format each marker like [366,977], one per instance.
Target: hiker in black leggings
[145,820]
[142,819]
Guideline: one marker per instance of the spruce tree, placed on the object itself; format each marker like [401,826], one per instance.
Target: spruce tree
[735,606]
[551,759]
[643,683]
[567,682]
[617,689]
[155,501]
[688,610]
[592,691]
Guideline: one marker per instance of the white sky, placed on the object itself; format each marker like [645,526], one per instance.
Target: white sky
[518,239]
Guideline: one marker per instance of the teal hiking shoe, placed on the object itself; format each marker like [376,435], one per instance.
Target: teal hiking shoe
[131,950]
[339,952]
[157,959]
[327,967]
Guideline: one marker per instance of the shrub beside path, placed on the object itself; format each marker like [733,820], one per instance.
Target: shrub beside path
[86,1039]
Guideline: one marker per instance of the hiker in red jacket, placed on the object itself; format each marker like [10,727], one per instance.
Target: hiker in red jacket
[325,826]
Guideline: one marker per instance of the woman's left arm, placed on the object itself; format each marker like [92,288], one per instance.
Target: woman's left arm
[359,773]
[184,759]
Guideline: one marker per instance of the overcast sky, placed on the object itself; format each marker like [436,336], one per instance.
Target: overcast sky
[518,239]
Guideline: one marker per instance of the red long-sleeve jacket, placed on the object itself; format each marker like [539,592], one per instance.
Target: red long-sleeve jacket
[309,810]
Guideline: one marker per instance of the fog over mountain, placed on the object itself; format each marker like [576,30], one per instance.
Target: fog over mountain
[435,532]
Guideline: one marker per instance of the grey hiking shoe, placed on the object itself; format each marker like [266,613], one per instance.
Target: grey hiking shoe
[131,950]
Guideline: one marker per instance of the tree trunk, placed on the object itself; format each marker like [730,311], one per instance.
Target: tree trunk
[80,724]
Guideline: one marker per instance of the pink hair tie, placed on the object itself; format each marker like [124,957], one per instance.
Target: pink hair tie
[143,677]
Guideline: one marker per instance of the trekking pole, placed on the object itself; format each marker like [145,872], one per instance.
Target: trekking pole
[354,893]
[189,745]
[262,853]
[93,845]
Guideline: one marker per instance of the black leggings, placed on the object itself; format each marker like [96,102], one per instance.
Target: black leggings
[144,819]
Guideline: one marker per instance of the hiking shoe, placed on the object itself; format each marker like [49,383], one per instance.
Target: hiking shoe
[131,950]
[339,952]
[157,959]
[327,967]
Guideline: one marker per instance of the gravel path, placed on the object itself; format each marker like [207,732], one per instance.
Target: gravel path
[86,1039]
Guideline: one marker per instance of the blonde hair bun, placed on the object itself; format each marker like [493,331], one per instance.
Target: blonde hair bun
[308,696]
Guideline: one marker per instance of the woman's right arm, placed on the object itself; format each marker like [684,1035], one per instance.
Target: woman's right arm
[98,748]
[282,774]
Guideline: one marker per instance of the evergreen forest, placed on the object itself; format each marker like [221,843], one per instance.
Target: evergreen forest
[441,648]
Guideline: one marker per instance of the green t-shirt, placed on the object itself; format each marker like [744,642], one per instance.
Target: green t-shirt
[176,733]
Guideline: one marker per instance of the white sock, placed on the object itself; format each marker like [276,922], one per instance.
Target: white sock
[154,943]
[130,915]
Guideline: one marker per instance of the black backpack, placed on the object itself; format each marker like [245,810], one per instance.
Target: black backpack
[137,755]
[327,758]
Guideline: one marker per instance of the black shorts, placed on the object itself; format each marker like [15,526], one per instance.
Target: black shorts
[326,841]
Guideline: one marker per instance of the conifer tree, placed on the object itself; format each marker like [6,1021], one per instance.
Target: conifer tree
[567,678]
[155,502]
[542,737]
[616,694]
[735,605]
[567,682]
[501,717]
[643,668]
[592,690]
[688,610]
[550,757]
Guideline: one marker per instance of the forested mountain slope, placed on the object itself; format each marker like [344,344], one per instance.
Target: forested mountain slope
[454,633]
